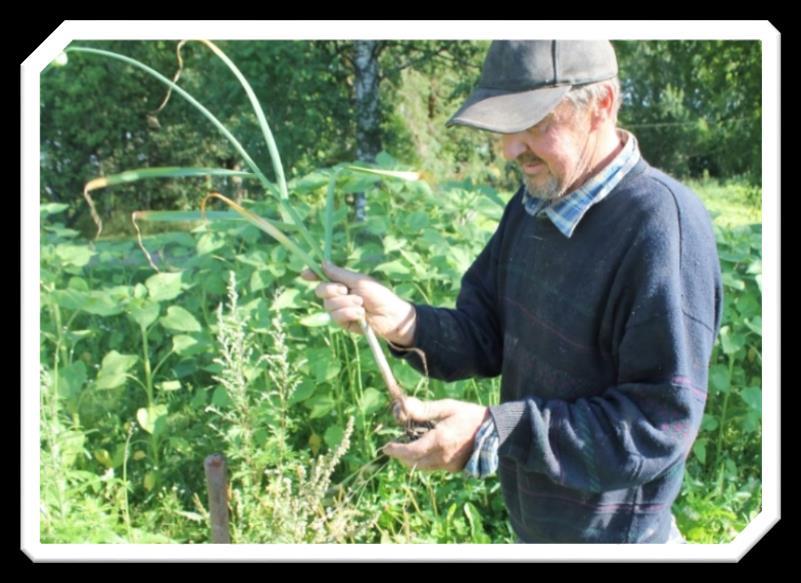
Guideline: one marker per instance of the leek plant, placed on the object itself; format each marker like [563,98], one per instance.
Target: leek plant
[308,250]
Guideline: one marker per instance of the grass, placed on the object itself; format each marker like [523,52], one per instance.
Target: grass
[730,203]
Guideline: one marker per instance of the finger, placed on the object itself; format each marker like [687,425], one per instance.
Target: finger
[415,453]
[419,410]
[347,316]
[354,328]
[339,302]
[342,275]
[330,290]
[309,275]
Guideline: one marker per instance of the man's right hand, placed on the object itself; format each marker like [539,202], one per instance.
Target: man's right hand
[351,296]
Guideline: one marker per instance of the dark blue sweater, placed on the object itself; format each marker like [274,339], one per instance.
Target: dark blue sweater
[603,342]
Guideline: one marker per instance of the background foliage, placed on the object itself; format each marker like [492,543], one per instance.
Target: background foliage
[695,107]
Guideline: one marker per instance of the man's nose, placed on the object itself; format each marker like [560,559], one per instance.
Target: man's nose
[513,145]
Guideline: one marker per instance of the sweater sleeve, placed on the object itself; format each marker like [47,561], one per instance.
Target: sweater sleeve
[466,341]
[667,300]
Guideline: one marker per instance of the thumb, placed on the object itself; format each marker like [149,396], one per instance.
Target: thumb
[418,410]
[342,275]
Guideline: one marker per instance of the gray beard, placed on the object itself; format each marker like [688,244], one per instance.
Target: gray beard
[551,190]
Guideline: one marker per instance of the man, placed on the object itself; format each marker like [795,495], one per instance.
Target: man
[597,299]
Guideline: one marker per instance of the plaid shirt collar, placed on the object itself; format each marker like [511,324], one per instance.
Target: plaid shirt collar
[566,212]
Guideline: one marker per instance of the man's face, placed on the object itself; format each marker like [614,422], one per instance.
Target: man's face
[554,154]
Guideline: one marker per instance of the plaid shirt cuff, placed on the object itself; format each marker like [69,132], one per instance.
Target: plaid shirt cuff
[484,461]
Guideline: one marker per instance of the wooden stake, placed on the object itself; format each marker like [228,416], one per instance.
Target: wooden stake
[217,482]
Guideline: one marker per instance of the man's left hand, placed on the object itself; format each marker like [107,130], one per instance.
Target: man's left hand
[449,445]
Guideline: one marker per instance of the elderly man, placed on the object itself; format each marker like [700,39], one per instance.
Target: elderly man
[598,300]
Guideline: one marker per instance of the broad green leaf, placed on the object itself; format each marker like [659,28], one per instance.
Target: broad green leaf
[460,258]
[71,379]
[260,280]
[753,398]
[731,343]
[417,221]
[320,405]
[114,368]
[729,280]
[73,336]
[406,375]
[180,320]
[372,400]
[324,369]
[53,208]
[76,255]
[185,345]
[303,392]
[392,243]
[98,302]
[78,284]
[755,325]
[748,306]
[104,458]
[333,436]
[720,378]
[169,386]
[145,314]
[752,420]
[316,320]
[209,243]
[732,256]
[377,225]
[309,183]
[221,398]
[314,443]
[70,446]
[493,196]
[710,423]
[287,299]
[199,400]
[150,481]
[393,268]
[699,449]
[148,418]
[164,286]
[63,233]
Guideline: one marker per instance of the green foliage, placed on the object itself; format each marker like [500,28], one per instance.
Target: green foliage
[723,488]
[695,106]
[304,379]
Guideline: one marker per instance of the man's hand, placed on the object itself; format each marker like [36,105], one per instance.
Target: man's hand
[449,445]
[351,296]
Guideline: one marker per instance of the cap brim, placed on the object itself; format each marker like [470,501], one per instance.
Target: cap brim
[507,113]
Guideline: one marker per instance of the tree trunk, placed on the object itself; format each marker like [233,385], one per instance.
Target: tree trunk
[368,137]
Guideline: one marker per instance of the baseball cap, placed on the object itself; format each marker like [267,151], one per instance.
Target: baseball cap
[523,80]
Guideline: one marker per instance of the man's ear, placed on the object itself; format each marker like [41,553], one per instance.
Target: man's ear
[604,106]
